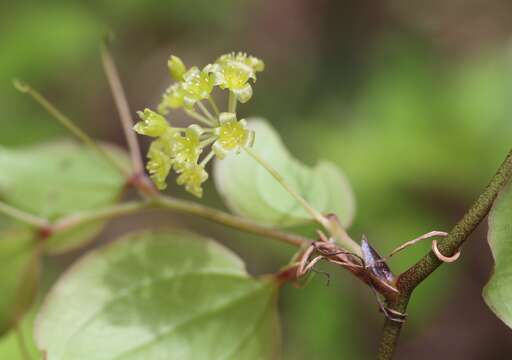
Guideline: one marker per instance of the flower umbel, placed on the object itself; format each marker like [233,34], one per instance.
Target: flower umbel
[180,149]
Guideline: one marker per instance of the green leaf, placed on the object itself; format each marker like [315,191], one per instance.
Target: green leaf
[53,180]
[159,295]
[249,190]
[10,344]
[19,272]
[498,291]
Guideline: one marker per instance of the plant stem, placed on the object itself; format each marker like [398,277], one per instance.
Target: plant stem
[123,109]
[448,246]
[194,114]
[227,219]
[67,123]
[342,237]
[392,329]
[22,216]
[157,202]
[206,112]
[332,225]
[207,158]
[311,210]
[214,105]
[232,102]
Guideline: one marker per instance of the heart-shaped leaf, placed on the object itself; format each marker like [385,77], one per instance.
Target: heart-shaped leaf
[248,189]
[159,295]
[498,291]
[52,180]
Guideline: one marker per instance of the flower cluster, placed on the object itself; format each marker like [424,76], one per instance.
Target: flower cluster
[180,149]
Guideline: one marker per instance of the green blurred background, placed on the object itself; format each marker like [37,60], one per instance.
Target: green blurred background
[411,99]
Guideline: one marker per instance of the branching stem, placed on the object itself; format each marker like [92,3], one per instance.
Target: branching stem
[158,202]
[448,246]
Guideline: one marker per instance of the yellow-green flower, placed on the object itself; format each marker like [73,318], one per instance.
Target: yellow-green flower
[231,134]
[256,64]
[193,176]
[233,72]
[197,84]
[159,164]
[152,124]
[173,98]
[187,148]
[180,149]
[176,68]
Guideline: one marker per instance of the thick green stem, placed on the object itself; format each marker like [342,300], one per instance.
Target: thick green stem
[392,329]
[448,246]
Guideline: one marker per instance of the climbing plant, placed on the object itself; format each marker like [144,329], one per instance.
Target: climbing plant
[172,293]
